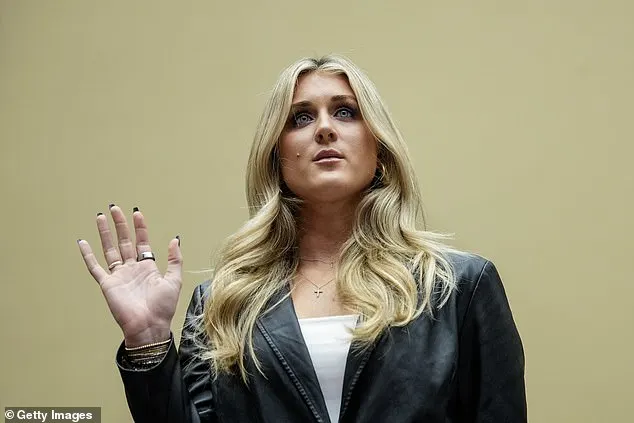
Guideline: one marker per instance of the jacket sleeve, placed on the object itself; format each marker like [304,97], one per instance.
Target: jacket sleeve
[492,359]
[178,389]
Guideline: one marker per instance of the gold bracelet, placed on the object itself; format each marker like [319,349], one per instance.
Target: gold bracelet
[155,344]
[153,354]
[149,348]
[142,357]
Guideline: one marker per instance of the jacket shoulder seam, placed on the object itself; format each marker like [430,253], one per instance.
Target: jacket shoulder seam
[472,296]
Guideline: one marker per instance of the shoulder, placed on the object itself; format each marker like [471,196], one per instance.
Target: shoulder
[469,268]
[480,293]
[476,277]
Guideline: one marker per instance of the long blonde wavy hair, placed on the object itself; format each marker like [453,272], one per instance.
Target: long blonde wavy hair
[389,272]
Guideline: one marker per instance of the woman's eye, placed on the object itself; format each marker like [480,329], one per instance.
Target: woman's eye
[301,119]
[304,118]
[345,112]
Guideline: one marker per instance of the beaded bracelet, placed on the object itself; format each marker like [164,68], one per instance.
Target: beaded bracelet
[143,347]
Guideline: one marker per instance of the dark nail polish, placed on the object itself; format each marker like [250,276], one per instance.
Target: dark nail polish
[136,209]
[111,206]
[99,214]
[78,240]
[178,237]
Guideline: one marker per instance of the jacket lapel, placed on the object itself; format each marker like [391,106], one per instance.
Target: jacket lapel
[355,363]
[281,330]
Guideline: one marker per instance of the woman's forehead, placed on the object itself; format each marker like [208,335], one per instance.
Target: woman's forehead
[316,85]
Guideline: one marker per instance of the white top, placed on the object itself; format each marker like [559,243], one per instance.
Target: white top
[328,342]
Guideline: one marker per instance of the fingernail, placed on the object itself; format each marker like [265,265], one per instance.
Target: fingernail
[78,240]
[178,237]
[136,209]
[111,206]
[99,214]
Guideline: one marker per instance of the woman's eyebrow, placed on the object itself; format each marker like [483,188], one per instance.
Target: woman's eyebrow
[343,97]
[334,98]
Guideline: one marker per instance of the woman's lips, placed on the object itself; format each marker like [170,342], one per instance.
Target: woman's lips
[329,160]
[328,153]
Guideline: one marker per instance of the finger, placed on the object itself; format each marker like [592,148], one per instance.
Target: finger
[110,252]
[174,261]
[126,246]
[141,232]
[93,266]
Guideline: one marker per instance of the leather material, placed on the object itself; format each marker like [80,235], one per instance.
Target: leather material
[464,365]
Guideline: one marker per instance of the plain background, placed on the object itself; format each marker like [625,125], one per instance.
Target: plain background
[518,116]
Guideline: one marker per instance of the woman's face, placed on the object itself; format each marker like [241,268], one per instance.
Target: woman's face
[337,152]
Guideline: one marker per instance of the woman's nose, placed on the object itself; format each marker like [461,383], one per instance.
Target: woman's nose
[325,132]
[325,135]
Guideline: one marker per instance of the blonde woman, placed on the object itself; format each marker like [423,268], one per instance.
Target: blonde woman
[332,303]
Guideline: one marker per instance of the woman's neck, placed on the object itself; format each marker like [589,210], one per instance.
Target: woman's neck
[323,230]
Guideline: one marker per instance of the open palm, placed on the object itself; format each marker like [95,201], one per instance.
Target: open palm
[141,299]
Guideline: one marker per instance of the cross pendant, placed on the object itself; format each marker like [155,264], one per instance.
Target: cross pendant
[318,292]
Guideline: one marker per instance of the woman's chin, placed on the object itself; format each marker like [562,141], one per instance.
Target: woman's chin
[330,193]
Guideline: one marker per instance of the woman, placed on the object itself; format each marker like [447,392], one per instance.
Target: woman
[328,304]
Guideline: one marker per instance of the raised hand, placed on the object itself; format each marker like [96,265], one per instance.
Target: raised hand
[141,300]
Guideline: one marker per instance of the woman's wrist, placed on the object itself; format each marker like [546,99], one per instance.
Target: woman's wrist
[146,356]
[147,339]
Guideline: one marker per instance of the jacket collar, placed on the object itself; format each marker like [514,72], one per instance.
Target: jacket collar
[280,327]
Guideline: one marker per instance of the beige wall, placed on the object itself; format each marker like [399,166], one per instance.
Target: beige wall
[517,114]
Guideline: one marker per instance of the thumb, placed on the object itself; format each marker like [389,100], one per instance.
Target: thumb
[174,261]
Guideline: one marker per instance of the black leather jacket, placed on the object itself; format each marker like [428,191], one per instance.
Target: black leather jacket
[465,365]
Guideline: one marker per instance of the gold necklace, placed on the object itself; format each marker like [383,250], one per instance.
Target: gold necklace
[317,291]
